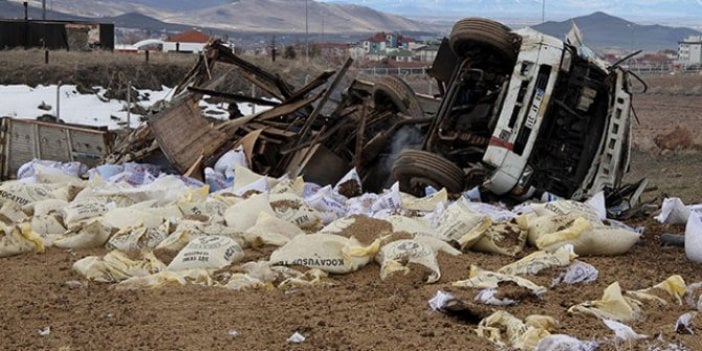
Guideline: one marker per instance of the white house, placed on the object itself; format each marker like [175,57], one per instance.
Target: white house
[690,51]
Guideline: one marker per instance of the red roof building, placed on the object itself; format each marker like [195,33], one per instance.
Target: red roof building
[190,36]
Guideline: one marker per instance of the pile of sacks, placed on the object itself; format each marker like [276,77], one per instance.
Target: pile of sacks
[164,230]
[164,226]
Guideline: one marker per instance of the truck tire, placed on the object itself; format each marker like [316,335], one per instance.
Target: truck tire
[396,92]
[415,169]
[484,34]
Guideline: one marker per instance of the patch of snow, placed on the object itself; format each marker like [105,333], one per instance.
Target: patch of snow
[22,101]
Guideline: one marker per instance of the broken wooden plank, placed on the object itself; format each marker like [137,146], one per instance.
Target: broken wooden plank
[318,109]
[234,97]
[183,134]
[286,108]
[225,54]
[321,79]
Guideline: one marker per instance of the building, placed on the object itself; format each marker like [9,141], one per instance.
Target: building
[380,42]
[189,41]
[426,53]
[690,51]
[54,35]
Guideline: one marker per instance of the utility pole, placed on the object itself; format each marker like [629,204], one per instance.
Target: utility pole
[273,49]
[307,34]
[543,11]
[43,10]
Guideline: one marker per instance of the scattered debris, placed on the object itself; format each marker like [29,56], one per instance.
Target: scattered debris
[684,323]
[45,332]
[296,338]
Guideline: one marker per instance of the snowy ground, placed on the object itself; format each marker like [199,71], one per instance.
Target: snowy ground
[22,101]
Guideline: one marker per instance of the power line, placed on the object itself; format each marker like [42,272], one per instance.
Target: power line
[307,35]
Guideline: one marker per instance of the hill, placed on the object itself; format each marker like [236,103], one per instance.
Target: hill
[601,30]
[249,16]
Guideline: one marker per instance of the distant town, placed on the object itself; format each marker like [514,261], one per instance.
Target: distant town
[393,50]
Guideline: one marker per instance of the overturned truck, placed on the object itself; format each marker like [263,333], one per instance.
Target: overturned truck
[519,113]
[523,113]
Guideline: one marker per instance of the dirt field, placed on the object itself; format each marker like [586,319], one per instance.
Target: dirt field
[360,312]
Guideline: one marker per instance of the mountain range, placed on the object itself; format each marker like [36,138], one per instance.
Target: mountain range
[639,10]
[601,31]
[287,16]
[342,21]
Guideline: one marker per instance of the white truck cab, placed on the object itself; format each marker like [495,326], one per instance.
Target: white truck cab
[522,112]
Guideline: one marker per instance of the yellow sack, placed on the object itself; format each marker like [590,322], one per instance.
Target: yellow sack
[424,204]
[291,186]
[46,225]
[270,230]
[25,193]
[169,247]
[19,239]
[167,278]
[394,257]
[588,237]
[612,305]
[11,213]
[693,295]
[328,252]
[505,330]
[117,266]
[540,260]
[80,210]
[43,207]
[243,215]
[458,223]
[482,279]
[138,238]
[415,226]
[83,235]
[672,288]
[504,238]
[293,209]
[207,252]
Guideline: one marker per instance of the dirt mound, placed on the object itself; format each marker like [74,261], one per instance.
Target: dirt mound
[679,138]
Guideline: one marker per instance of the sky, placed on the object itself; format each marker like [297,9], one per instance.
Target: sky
[653,10]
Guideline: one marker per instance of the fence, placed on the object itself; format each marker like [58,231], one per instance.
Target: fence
[393,71]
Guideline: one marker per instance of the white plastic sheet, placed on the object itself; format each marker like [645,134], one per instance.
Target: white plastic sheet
[693,238]
[578,272]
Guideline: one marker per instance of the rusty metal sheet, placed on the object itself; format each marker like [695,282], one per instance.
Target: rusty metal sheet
[184,135]
[25,140]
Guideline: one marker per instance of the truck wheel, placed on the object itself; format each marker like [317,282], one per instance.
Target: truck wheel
[395,92]
[416,169]
[479,33]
